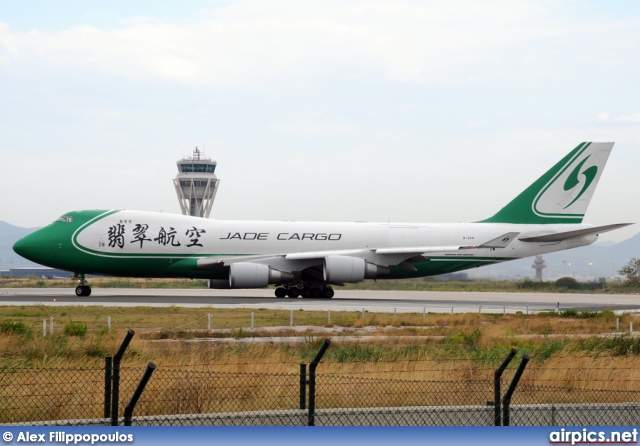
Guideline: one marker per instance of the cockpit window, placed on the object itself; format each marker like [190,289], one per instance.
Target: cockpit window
[66,219]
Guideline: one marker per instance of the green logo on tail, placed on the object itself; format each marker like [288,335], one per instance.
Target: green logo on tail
[573,181]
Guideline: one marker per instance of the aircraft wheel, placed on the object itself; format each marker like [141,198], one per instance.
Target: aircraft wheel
[328,292]
[306,292]
[281,292]
[293,292]
[83,290]
[317,292]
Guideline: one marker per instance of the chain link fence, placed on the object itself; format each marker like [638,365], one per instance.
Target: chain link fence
[190,398]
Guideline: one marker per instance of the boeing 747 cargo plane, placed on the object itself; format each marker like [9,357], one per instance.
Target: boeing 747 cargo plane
[307,258]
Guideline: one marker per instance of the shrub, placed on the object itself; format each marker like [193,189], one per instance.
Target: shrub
[529,284]
[569,312]
[78,329]
[463,338]
[17,327]
[567,282]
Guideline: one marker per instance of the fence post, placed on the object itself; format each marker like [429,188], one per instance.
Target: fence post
[128,411]
[506,401]
[252,319]
[109,324]
[51,325]
[108,370]
[291,318]
[303,386]
[115,399]
[312,381]
[496,384]
[209,321]
[44,328]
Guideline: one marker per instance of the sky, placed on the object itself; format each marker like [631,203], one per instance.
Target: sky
[404,111]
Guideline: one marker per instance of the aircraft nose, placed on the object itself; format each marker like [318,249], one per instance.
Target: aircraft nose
[31,247]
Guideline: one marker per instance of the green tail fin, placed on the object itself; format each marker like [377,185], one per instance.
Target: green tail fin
[563,193]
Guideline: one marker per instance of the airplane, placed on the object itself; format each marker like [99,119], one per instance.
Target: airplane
[305,258]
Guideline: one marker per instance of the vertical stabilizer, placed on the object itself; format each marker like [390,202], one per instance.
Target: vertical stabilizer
[563,193]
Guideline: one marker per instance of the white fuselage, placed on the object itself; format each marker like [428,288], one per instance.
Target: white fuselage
[203,237]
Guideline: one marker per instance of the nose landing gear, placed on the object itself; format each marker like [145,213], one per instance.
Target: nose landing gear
[82,290]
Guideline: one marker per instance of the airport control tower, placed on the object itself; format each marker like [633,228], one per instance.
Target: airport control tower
[538,265]
[196,184]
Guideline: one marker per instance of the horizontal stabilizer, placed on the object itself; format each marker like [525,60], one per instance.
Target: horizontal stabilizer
[561,236]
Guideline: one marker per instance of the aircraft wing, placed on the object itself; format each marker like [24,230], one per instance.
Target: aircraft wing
[567,235]
[498,242]
[381,256]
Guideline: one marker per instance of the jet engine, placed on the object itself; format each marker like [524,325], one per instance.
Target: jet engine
[255,275]
[341,269]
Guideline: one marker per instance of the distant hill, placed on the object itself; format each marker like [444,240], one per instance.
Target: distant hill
[607,258]
[10,234]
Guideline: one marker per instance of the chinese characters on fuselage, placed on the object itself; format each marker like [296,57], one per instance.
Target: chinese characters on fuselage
[116,235]
[192,236]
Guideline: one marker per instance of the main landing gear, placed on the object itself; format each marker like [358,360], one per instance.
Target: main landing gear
[82,290]
[307,291]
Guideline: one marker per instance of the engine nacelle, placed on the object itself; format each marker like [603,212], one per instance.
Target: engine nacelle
[255,275]
[341,269]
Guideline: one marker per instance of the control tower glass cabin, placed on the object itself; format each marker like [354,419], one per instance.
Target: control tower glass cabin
[196,184]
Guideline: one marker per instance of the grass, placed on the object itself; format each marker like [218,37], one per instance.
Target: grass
[485,339]
[78,329]
[14,327]
[569,350]
[440,346]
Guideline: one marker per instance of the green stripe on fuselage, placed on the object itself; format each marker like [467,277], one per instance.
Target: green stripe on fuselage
[443,265]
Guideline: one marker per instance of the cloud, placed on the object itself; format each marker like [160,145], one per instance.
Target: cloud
[604,117]
[288,43]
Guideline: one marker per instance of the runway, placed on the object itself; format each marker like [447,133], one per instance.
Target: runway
[355,300]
